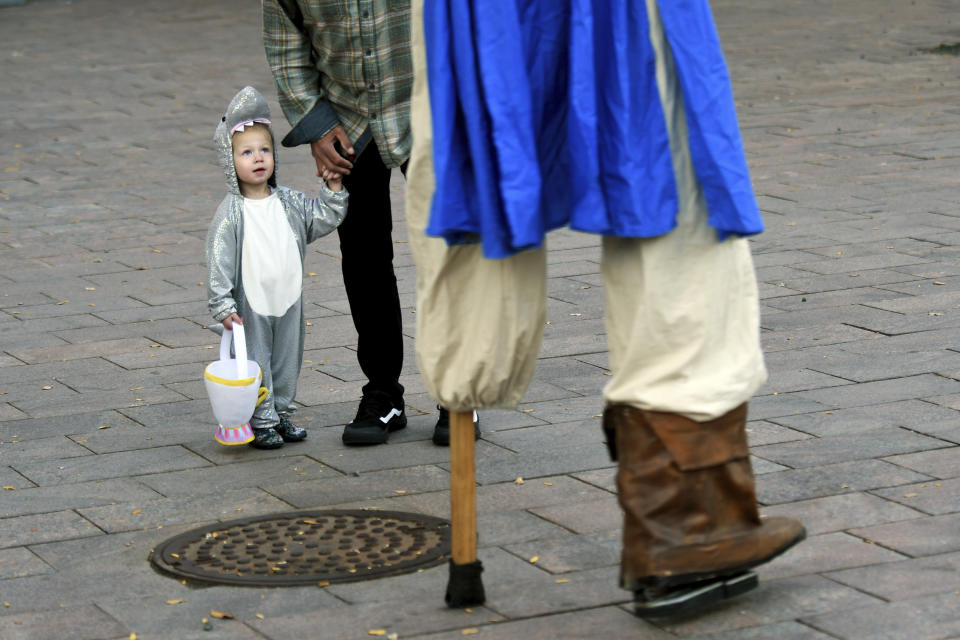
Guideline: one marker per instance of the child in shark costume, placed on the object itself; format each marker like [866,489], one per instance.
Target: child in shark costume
[255,250]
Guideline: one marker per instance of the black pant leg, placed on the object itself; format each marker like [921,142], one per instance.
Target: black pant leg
[366,247]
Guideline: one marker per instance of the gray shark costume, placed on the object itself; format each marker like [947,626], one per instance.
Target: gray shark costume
[274,339]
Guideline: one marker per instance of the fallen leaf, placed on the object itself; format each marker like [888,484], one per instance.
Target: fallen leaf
[519,480]
[133,636]
[47,388]
[377,632]
[548,484]
[534,559]
[221,615]
[260,615]
[103,426]
[62,302]
[137,511]
[526,410]
[8,488]
[910,495]
[938,282]
[470,631]
[562,580]
[399,492]
[325,583]
[175,601]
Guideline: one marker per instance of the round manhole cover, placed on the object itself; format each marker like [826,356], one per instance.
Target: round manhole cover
[306,547]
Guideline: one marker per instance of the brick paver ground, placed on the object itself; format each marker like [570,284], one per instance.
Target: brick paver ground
[107,183]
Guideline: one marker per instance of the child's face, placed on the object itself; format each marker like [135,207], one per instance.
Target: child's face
[253,160]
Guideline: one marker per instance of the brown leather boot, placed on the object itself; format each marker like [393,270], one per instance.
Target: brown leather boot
[691,526]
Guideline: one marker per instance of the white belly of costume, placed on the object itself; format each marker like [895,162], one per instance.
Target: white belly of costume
[271,269]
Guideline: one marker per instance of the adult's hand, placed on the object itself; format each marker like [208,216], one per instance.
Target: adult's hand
[326,155]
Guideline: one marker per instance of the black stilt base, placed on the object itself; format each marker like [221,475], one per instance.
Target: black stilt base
[465,587]
[687,599]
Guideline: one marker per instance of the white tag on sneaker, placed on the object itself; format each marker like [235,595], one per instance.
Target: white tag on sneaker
[393,412]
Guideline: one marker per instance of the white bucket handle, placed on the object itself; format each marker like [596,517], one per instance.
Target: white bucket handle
[239,347]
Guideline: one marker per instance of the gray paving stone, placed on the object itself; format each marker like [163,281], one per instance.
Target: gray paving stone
[498,529]
[60,525]
[773,407]
[906,579]
[922,618]
[355,622]
[908,387]
[779,631]
[507,496]
[72,496]
[760,432]
[542,436]
[933,497]
[179,613]
[545,595]
[110,465]
[217,505]
[76,351]
[542,463]
[917,537]
[39,406]
[826,552]
[362,459]
[602,478]
[774,340]
[291,471]
[41,449]
[843,448]
[567,554]
[76,623]
[784,381]
[774,601]
[605,622]
[833,479]
[19,562]
[584,517]
[310,493]
[842,512]
[942,463]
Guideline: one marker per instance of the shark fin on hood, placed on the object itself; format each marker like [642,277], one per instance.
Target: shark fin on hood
[247,107]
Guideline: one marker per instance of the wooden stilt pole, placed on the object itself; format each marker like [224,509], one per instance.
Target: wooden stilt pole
[465,586]
[463,495]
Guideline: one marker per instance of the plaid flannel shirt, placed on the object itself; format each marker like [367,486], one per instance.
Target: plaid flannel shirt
[343,62]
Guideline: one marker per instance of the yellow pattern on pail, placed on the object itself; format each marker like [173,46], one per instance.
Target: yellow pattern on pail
[234,393]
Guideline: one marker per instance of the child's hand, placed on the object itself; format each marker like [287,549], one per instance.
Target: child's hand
[229,320]
[333,180]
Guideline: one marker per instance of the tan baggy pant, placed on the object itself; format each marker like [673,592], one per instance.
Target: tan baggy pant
[682,310]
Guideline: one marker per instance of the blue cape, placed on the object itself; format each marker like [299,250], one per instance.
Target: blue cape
[546,113]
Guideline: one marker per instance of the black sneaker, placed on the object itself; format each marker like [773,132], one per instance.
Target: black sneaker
[441,432]
[266,439]
[376,417]
[289,431]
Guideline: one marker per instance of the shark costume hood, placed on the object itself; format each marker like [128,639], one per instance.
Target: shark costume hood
[247,107]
